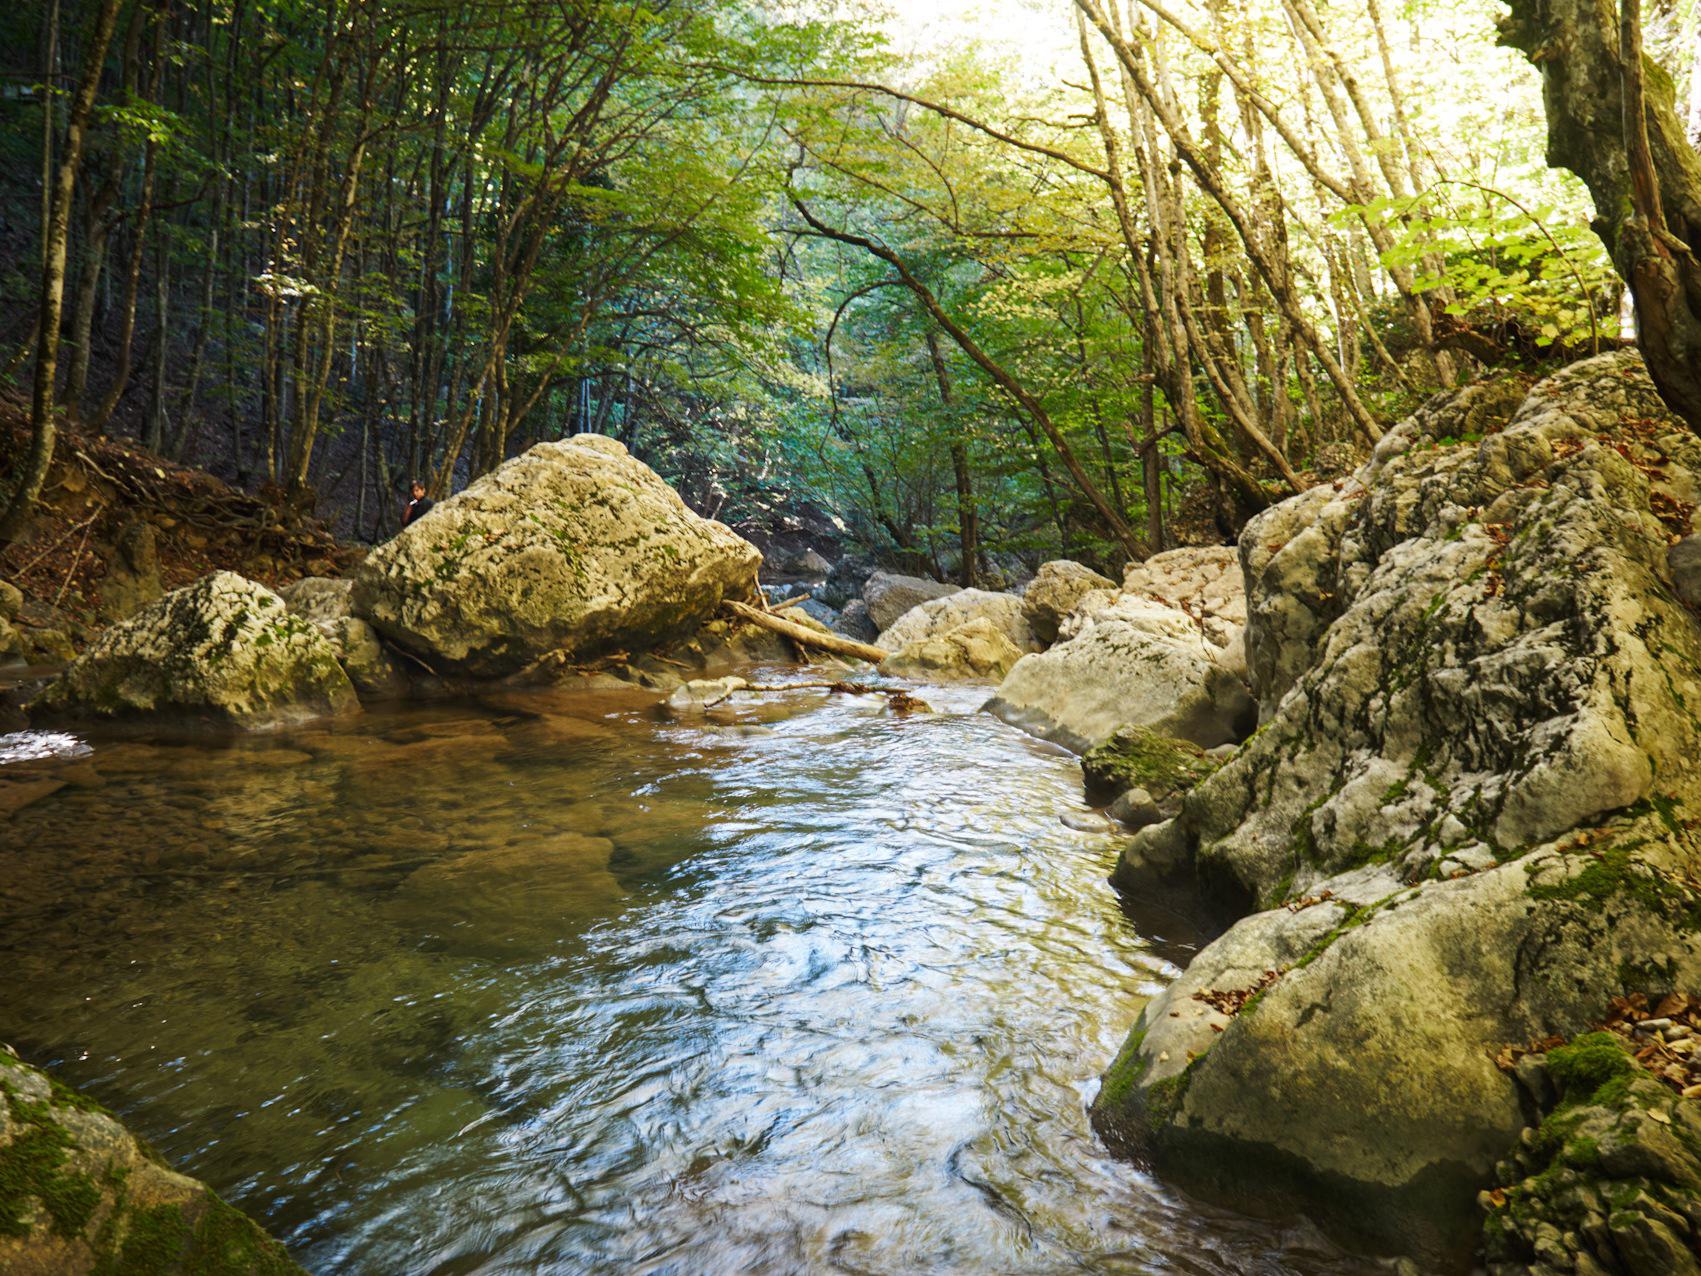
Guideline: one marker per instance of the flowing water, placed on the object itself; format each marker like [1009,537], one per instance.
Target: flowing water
[552,983]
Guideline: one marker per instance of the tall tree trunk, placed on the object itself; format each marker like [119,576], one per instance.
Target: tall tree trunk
[52,292]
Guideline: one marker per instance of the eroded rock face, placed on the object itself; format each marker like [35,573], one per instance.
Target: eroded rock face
[1134,663]
[80,1195]
[1465,811]
[573,547]
[890,595]
[327,603]
[1054,592]
[979,649]
[224,649]
[938,616]
[1204,581]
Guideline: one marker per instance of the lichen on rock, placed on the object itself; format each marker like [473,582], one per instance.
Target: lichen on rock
[224,649]
[572,548]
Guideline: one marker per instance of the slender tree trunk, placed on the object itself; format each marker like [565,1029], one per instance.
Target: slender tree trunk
[54,234]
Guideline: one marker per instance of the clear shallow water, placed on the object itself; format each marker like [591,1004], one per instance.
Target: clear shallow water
[551,983]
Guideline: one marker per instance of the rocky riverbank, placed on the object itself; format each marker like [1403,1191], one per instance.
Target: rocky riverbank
[1466,820]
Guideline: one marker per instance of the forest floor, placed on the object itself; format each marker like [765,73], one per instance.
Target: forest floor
[113,517]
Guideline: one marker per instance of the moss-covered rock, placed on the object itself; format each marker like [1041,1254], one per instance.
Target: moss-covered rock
[1609,1180]
[1137,757]
[572,548]
[80,1195]
[224,649]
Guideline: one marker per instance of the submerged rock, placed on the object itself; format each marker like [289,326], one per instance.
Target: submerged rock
[889,596]
[938,616]
[573,548]
[975,650]
[80,1195]
[1054,593]
[1136,663]
[1468,811]
[224,649]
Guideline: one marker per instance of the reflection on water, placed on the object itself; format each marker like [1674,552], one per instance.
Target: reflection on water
[545,983]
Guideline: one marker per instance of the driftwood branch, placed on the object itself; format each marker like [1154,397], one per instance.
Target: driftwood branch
[803,636]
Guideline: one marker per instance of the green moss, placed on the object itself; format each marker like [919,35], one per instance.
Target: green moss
[1163,1099]
[1614,871]
[1584,1068]
[33,1173]
[1136,757]
[1125,1072]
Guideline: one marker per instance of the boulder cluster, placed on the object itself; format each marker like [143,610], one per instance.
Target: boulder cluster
[571,552]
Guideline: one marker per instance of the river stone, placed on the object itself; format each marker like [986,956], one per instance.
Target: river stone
[470,900]
[1138,663]
[1204,581]
[855,622]
[11,600]
[572,547]
[81,1195]
[223,648]
[1465,813]
[889,596]
[1054,592]
[327,603]
[1610,1180]
[938,616]
[976,650]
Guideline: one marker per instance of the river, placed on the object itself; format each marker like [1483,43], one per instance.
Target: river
[553,982]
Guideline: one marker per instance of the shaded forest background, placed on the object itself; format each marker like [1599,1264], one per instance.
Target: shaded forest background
[1087,284]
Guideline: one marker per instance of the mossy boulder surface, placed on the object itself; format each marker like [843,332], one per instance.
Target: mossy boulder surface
[574,549]
[1139,758]
[80,1196]
[1468,817]
[224,649]
[1609,1180]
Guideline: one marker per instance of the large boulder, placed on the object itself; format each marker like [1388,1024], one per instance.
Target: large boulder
[327,603]
[1054,593]
[889,596]
[573,548]
[938,616]
[80,1195]
[1137,663]
[1465,815]
[976,650]
[224,649]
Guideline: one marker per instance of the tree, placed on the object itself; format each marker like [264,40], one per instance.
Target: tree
[51,295]
[1612,120]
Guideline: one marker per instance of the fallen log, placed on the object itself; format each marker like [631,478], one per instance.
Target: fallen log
[803,636]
